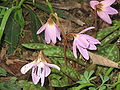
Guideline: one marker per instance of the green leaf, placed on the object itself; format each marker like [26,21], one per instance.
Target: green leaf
[13,30]
[2,12]
[92,88]
[90,73]
[10,85]
[86,77]
[102,88]
[52,51]
[18,16]
[35,23]
[105,32]
[110,38]
[3,72]
[66,74]
[83,86]
[45,8]
[25,85]
[106,78]
[110,51]
[58,81]
[101,78]
[4,20]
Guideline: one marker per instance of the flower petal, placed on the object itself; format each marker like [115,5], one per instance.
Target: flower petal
[84,52]
[52,33]
[74,49]
[107,3]
[110,10]
[41,29]
[93,4]
[92,47]
[82,41]
[104,16]
[91,39]
[52,65]
[89,28]
[47,71]
[27,67]
[58,32]
[47,37]
[35,77]
[42,77]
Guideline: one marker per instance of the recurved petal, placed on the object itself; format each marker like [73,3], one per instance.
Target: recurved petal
[85,30]
[52,65]
[110,10]
[93,4]
[104,16]
[84,52]
[74,49]
[35,77]
[91,39]
[47,71]
[27,67]
[41,29]
[92,47]
[107,3]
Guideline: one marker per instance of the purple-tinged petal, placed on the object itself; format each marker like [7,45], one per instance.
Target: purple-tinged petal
[27,67]
[52,65]
[105,17]
[74,49]
[84,52]
[41,29]
[47,71]
[58,32]
[85,30]
[92,47]
[82,41]
[47,37]
[42,77]
[52,33]
[35,76]
[93,4]
[91,39]
[107,3]
[110,10]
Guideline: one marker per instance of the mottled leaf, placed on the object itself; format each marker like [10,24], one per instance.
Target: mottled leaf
[105,32]
[3,72]
[110,51]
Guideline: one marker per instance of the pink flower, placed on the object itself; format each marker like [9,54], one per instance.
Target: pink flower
[51,31]
[84,42]
[104,9]
[40,70]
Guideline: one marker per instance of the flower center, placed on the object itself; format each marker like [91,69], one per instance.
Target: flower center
[99,7]
[76,35]
[50,21]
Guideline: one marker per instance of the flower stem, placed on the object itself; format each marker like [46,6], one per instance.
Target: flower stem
[50,6]
[63,34]
[96,26]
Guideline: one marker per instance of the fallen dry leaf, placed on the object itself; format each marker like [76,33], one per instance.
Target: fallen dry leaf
[67,5]
[3,52]
[13,65]
[97,59]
